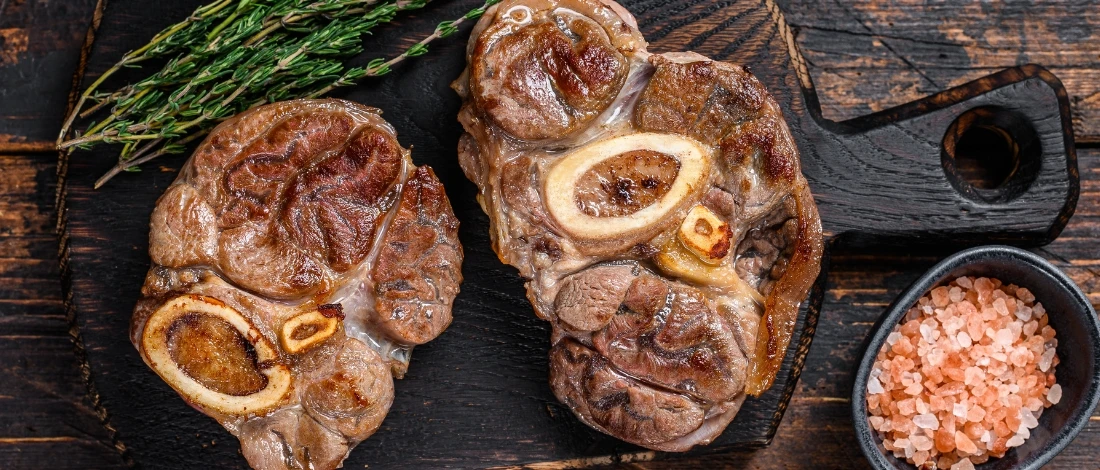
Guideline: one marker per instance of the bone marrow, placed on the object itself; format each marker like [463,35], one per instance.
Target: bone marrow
[309,329]
[678,167]
[242,374]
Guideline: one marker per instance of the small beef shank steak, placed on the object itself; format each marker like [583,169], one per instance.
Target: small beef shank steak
[297,259]
[656,206]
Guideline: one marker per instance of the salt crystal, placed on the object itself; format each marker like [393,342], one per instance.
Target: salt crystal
[1015,441]
[964,464]
[975,414]
[926,333]
[926,421]
[974,375]
[1023,312]
[956,294]
[1045,359]
[920,457]
[1019,356]
[921,442]
[1030,327]
[893,338]
[1015,327]
[984,286]
[941,296]
[921,406]
[1025,295]
[964,444]
[1054,395]
[1023,431]
[986,394]
[907,406]
[959,410]
[1000,306]
[964,339]
[935,357]
[874,386]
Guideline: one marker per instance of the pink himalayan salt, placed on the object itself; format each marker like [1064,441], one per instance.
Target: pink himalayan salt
[921,443]
[920,457]
[964,444]
[926,421]
[1055,394]
[975,414]
[972,360]
[964,464]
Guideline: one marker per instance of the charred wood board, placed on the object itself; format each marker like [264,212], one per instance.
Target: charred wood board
[478,396]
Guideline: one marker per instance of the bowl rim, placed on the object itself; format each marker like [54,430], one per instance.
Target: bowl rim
[868,440]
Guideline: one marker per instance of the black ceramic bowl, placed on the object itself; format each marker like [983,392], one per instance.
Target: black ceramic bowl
[1070,314]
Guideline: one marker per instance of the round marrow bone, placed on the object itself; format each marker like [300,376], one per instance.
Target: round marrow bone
[154,345]
[561,183]
[705,234]
[309,329]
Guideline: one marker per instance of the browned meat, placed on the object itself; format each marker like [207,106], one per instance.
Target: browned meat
[543,73]
[656,205]
[297,260]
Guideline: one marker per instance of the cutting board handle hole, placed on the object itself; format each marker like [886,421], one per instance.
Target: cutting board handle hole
[991,154]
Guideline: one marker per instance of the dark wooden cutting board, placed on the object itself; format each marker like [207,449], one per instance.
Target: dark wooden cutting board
[478,395]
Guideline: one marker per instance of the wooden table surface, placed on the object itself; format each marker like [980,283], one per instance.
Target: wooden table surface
[863,56]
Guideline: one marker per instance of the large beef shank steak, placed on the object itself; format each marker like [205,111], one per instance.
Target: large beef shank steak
[656,206]
[297,259]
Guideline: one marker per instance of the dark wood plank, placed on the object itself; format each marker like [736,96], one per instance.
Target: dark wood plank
[814,434]
[39,48]
[866,56]
[44,410]
[459,386]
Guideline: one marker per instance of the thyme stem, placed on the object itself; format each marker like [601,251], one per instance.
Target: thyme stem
[232,55]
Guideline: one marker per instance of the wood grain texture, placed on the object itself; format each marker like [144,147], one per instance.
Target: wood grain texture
[39,45]
[867,55]
[816,432]
[43,406]
[492,361]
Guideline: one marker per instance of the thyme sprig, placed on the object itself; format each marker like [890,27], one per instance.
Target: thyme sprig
[229,56]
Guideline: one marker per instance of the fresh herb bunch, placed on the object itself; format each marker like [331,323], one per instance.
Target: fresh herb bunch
[232,55]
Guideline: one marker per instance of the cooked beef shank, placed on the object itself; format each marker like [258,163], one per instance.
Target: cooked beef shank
[656,206]
[297,259]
